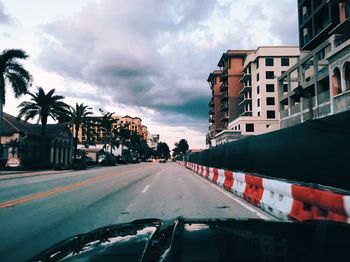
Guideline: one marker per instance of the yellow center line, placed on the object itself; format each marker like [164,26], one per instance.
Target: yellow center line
[57,190]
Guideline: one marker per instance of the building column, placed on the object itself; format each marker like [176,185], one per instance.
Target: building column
[51,154]
[56,155]
[61,155]
[342,80]
[65,156]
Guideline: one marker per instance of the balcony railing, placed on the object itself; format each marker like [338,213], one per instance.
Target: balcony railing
[245,77]
[223,86]
[246,101]
[224,107]
[247,113]
[245,89]
[224,97]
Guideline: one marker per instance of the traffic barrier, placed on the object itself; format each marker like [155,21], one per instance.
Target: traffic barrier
[277,198]
[284,200]
[253,190]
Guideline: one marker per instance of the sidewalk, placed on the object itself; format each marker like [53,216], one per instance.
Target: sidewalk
[4,175]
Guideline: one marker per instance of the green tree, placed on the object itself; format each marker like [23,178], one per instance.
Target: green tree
[43,105]
[181,148]
[12,73]
[163,150]
[79,118]
[107,123]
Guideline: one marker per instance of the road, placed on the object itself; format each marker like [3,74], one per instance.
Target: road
[38,211]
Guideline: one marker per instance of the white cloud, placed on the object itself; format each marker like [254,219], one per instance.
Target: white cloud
[148,57]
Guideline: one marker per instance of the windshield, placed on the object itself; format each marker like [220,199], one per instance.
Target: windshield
[112,111]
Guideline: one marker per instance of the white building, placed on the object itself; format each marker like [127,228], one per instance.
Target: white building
[153,141]
[260,92]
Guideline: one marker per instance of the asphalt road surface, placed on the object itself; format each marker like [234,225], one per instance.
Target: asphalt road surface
[38,211]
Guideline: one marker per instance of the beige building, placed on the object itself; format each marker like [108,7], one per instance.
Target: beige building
[259,92]
[133,124]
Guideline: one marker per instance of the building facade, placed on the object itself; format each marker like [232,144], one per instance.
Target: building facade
[133,124]
[215,106]
[258,104]
[24,141]
[231,65]
[153,141]
[260,93]
[318,85]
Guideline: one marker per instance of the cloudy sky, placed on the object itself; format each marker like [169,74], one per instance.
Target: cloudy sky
[147,58]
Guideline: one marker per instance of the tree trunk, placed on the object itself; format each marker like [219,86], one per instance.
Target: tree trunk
[2,90]
[1,148]
[76,141]
[43,138]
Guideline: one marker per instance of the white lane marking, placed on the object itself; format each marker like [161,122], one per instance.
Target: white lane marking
[145,189]
[239,201]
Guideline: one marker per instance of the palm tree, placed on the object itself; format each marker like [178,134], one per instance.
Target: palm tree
[107,123]
[12,73]
[43,106]
[79,118]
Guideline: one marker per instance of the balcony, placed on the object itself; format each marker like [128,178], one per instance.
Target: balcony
[245,77]
[211,111]
[245,89]
[247,113]
[224,107]
[211,119]
[225,118]
[246,101]
[223,77]
[342,28]
[224,97]
[211,102]
[223,86]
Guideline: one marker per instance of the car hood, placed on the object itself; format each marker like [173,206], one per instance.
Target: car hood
[183,239]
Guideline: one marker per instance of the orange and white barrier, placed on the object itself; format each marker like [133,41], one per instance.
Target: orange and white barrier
[284,200]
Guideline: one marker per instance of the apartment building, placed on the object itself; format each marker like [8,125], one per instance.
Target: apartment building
[228,98]
[260,94]
[215,106]
[153,141]
[260,111]
[319,84]
[231,65]
[133,123]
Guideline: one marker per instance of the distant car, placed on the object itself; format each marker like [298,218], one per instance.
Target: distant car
[162,161]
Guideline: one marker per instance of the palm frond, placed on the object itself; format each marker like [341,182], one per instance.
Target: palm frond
[10,54]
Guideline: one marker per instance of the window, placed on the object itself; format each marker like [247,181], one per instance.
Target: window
[249,127]
[270,114]
[257,77]
[285,87]
[258,89]
[321,55]
[270,88]
[284,61]
[270,101]
[257,63]
[270,75]
[229,63]
[258,102]
[269,61]
[258,113]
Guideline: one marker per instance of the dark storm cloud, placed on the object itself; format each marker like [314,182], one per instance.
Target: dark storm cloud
[4,16]
[154,54]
